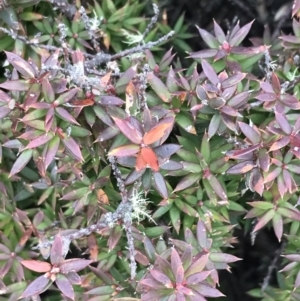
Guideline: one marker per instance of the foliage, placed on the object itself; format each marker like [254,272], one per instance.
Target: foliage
[140,166]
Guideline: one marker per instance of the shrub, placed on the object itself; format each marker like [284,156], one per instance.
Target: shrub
[132,171]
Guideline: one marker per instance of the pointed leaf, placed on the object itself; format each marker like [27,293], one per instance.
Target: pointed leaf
[65,115]
[73,148]
[56,255]
[264,220]
[65,286]
[125,150]
[74,265]
[37,266]
[249,132]
[36,287]
[20,64]
[132,133]
[159,87]
[21,162]
[210,73]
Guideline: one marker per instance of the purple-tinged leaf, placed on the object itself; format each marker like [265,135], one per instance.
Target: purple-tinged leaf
[4,111]
[238,100]
[37,266]
[250,133]
[74,278]
[108,133]
[196,296]
[66,97]
[292,257]
[297,281]
[74,265]
[264,220]
[125,150]
[76,194]
[65,286]
[132,133]
[198,277]
[159,87]
[229,121]
[149,282]
[273,174]
[256,181]
[43,139]
[219,33]
[73,148]
[187,257]
[108,100]
[49,119]
[240,35]
[4,97]
[289,213]
[295,8]
[216,103]
[203,54]
[180,275]
[161,278]
[48,91]
[134,175]
[166,150]
[65,115]
[36,287]
[171,165]
[217,187]
[214,125]
[281,143]
[283,123]
[56,255]
[210,72]
[197,266]
[240,168]
[21,65]
[264,159]
[165,267]
[242,153]
[187,181]
[160,184]
[230,111]
[233,80]
[52,149]
[266,97]
[290,101]
[208,38]
[223,257]
[201,234]
[126,77]
[157,294]
[16,85]
[175,262]
[21,162]
[207,291]
[278,226]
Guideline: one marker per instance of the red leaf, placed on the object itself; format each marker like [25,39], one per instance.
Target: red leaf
[37,266]
[158,131]
[82,102]
[146,158]
[36,287]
